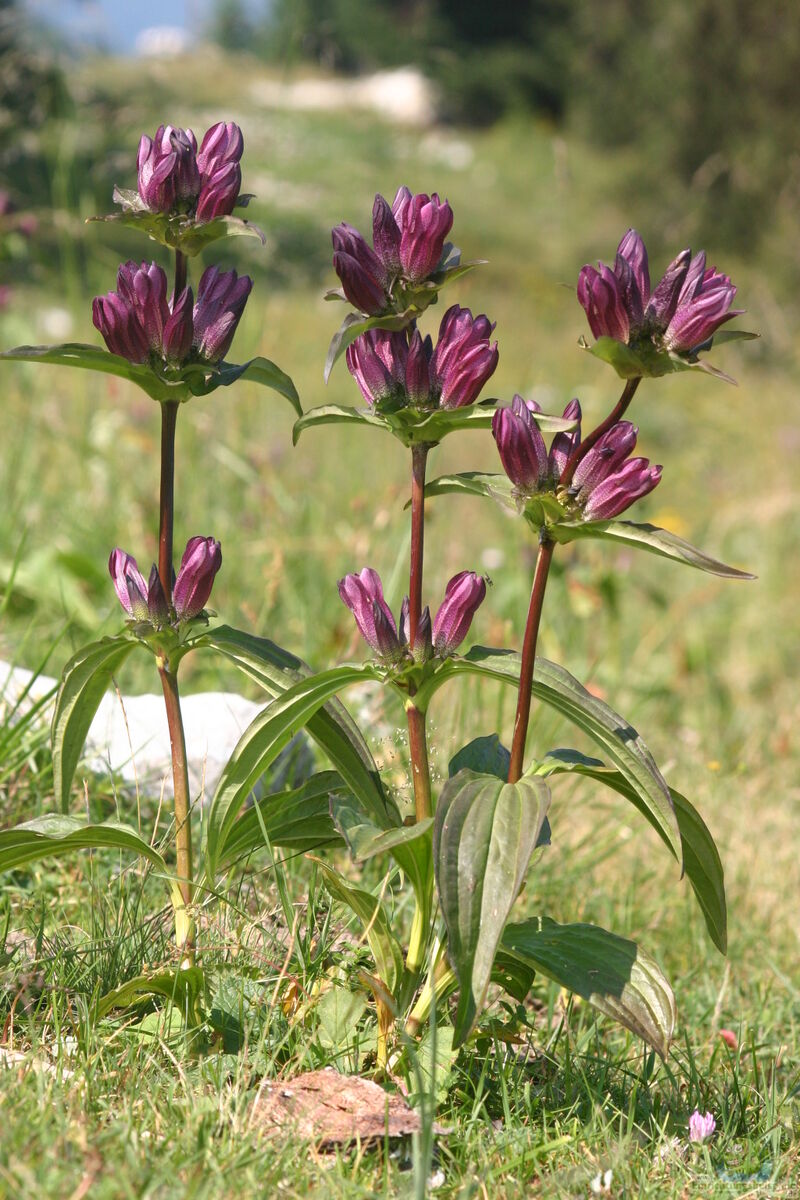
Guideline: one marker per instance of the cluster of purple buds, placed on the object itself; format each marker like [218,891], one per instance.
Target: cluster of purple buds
[392,370]
[683,311]
[363,595]
[408,239]
[138,323]
[606,480]
[146,602]
[173,176]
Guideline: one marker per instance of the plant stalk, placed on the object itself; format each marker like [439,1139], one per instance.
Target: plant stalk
[180,272]
[169,419]
[420,769]
[184,926]
[583,448]
[543,560]
[417,740]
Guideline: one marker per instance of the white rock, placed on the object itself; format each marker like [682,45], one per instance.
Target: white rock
[403,96]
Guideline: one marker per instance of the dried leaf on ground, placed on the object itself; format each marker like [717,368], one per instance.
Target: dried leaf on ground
[329,1108]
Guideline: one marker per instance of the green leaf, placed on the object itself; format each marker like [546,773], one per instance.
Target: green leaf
[337,414]
[184,989]
[257,370]
[178,232]
[554,685]
[53,835]
[338,1011]
[701,859]
[488,756]
[645,360]
[609,971]
[298,820]
[372,915]
[83,684]
[485,832]
[646,537]
[261,743]
[354,325]
[93,358]
[332,728]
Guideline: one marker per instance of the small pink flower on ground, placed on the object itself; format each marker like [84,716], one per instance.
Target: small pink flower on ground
[701,1127]
[729,1038]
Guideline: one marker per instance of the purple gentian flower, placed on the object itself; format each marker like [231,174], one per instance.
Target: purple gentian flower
[607,481]
[462,597]
[144,602]
[377,361]
[220,172]
[463,359]
[522,448]
[136,320]
[363,595]
[681,313]
[221,297]
[360,270]
[201,560]
[168,176]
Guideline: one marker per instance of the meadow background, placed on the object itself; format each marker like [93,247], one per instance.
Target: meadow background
[556,131]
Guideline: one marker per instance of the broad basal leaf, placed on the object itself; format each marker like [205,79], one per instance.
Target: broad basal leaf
[700,855]
[554,686]
[332,728]
[646,537]
[610,972]
[85,680]
[260,744]
[298,820]
[485,832]
[184,988]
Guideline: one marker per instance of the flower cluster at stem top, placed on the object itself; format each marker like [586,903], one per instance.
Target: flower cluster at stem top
[145,601]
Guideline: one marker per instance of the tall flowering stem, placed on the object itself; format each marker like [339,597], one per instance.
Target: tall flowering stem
[417,737]
[543,560]
[169,419]
[583,448]
[180,272]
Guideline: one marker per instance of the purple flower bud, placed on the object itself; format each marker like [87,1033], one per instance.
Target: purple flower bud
[600,294]
[167,169]
[462,597]
[223,143]
[703,305]
[605,457]
[120,327]
[618,491]
[400,206]
[360,270]
[363,595]
[201,560]
[520,446]
[633,250]
[386,237]
[157,607]
[664,299]
[221,297]
[179,329]
[219,192]
[377,362]
[424,223]
[423,642]
[129,584]
[418,378]
[463,359]
[144,289]
[564,443]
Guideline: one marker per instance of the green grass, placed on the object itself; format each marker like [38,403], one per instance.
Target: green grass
[705,669]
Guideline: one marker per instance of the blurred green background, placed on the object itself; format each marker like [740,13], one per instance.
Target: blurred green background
[556,126]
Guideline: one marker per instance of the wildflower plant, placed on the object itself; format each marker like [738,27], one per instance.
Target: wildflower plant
[465,849]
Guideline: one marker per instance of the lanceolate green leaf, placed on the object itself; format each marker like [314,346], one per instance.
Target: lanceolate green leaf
[354,325]
[332,728]
[257,370]
[177,232]
[298,820]
[260,744]
[646,537]
[485,832]
[85,680]
[553,685]
[93,358]
[337,414]
[700,855]
[372,915]
[612,973]
[184,988]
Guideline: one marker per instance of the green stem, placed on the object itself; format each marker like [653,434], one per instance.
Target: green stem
[184,926]
[420,768]
[440,983]
[543,560]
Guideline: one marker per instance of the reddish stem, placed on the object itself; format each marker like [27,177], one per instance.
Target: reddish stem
[544,558]
[583,448]
[419,457]
[169,418]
